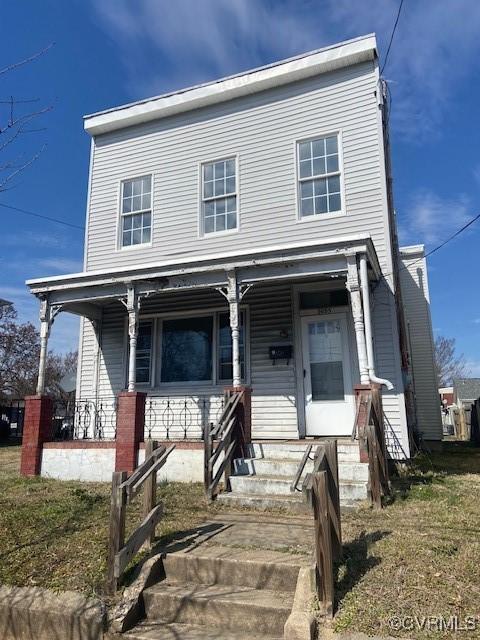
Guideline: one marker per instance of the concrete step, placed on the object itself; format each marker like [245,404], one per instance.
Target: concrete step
[174,631]
[260,485]
[286,467]
[291,504]
[347,450]
[255,568]
[226,607]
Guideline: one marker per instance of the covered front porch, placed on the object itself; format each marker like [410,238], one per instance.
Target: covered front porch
[292,325]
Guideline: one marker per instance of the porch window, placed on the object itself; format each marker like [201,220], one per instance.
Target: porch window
[144,353]
[136,211]
[225,366]
[319,176]
[187,350]
[219,196]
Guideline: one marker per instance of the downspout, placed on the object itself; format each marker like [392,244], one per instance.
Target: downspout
[368,324]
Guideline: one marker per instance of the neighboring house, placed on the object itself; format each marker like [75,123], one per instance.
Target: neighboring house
[242,232]
[466,391]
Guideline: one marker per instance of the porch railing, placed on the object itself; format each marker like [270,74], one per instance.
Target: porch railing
[85,419]
[181,417]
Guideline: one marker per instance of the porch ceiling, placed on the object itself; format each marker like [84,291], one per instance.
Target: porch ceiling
[84,293]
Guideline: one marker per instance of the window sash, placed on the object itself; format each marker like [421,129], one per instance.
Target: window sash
[143,355]
[151,357]
[227,346]
[222,214]
[134,228]
[318,207]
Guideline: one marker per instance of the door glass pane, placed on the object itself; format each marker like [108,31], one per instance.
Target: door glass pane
[326,360]
[187,350]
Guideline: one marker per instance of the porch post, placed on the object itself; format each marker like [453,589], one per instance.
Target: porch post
[233,298]
[133,305]
[45,324]
[353,287]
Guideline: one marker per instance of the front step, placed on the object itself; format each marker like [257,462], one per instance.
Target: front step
[238,567]
[292,504]
[164,631]
[348,450]
[350,490]
[227,607]
[286,467]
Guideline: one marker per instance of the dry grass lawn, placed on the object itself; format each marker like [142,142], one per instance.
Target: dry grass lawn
[54,534]
[420,556]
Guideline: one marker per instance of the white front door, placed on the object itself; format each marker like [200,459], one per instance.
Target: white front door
[329,401]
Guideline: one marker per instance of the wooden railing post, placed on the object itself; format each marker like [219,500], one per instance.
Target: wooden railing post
[150,490]
[117,527]
[207,442]
[323,542]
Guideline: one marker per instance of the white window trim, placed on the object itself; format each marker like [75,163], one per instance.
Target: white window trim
[201,220]
[120,215]
[341,171]
[156,359]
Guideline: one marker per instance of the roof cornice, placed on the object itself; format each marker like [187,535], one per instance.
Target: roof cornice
[330,58]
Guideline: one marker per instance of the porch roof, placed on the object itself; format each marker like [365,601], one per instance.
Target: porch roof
[324,257]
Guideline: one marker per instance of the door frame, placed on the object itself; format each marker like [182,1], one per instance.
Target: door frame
[298,349]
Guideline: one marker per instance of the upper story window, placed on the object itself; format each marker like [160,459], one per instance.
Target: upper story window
[319,176]
[136,211]
[219,196]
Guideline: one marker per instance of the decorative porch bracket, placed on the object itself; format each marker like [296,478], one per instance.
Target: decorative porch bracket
[234,293]
[353,287]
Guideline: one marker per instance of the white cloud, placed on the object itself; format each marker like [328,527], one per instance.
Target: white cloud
[64,265]
[476,174]
[431,219]
[435,47]
[473,368]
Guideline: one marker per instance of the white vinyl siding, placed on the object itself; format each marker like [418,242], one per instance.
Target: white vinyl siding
[416,307]
[263,131]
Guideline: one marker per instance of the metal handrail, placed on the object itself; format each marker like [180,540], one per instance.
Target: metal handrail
[300,468]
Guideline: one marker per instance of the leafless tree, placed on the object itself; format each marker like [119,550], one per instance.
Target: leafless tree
[19,356]
[18,118]
[448,363]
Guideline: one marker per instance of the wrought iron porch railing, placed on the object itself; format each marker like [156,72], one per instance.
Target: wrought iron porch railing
[85,419]
[181,417]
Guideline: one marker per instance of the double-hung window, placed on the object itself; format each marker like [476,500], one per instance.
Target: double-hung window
[219,196]
[319,176]
[195,350]
[136,211]
[143,361]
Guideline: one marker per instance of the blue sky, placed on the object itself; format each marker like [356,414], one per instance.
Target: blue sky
[108,52]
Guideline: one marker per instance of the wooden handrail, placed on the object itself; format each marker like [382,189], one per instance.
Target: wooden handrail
[321,490]
[222,438]
[124,490]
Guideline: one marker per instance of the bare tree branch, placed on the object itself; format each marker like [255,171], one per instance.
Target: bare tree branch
[35,56]
[26,164]
[448,364]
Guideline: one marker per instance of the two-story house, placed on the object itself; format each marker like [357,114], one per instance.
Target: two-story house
[242,232]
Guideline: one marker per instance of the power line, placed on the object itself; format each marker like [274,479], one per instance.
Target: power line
[39,215]
[392,36]
[439,246]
